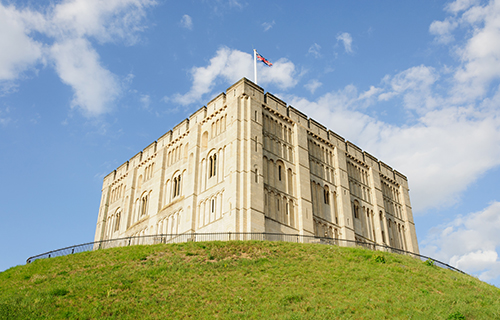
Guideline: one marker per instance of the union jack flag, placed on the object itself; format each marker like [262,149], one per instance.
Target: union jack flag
[264,60]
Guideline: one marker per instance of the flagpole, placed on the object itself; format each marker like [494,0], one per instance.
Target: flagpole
[255,66]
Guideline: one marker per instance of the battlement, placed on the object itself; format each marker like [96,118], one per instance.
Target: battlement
[246,88]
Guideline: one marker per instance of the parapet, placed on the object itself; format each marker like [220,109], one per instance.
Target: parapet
[318,129]
[165,139]
[198,116]
[370,160]
[276,104]
[386,170]
[354,151]
[216,103]
[336,140]
[247,87]
[296,115]
[149,150]
[180,129]
[121,170]
[135,160]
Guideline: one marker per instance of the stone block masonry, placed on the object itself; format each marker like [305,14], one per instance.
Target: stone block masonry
[247,162]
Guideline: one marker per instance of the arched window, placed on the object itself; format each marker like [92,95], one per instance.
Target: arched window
[356,209]
[326,195]
[117,220]
[144,204]
[177,186]
[212,170]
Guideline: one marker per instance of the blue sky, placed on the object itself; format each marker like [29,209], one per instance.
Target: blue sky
[86,84]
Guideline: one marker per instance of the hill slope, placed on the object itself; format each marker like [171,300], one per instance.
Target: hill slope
[245,280]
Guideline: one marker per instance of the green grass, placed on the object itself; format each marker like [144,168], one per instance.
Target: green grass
[241,280]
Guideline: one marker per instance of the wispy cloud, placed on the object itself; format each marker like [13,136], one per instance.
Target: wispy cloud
[187,22]
[346,40]
[4,118]
[313,85]
[315,50]
[268,25]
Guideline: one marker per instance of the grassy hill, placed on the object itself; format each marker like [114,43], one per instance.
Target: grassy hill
[241,280]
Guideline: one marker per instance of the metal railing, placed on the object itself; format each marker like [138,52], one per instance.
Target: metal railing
[230,236]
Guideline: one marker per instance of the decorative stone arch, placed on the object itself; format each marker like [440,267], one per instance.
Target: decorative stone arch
[355,207]
[204,140]
[118,216]
[212,162]
[326,195]
[144,203]
[177,180]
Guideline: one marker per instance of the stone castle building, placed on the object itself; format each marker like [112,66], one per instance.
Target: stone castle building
[247,162]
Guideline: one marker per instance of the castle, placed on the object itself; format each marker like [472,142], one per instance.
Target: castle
[247,162]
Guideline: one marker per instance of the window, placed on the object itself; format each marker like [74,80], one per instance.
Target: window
[213,205]
[355,209]
[279,173]
[326,195]
[117,221]
[177,186]
[144,204]
[212,170]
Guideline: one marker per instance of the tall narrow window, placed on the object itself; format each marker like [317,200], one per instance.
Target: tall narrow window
[279,173]
[117,221]
[212,170]
[144,205]
[210,165]
[177,186]
[213,205]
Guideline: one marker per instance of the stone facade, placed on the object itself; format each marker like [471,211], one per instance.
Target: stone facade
[247,162]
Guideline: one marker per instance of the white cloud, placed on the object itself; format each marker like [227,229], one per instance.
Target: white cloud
[104,20]
[77,64]
[314,50]
[346,39]
[230,65]
[480,56]
[469,242]
[415,85]
[69,25]
[442,30]
[460,5]
[19,52]
[268,25]
[313,85]
[187,22]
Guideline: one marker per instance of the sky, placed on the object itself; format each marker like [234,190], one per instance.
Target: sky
[87,84]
